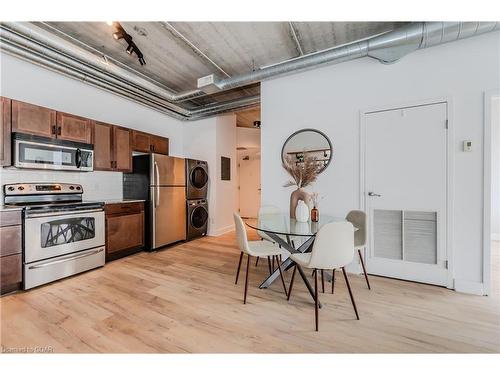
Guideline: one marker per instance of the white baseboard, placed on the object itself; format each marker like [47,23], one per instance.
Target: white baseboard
[220,231]
[495,236]
[469,287]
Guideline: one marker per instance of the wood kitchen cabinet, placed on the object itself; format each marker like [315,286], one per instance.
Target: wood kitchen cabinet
[112,148]
[124,229]
[145,142]
[33,119]
[103,147]
[5,131]
[10,251]
[74,128]
[160,144]
[141,141]
[122,149]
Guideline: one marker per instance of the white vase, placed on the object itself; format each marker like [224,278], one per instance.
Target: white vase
[302,212]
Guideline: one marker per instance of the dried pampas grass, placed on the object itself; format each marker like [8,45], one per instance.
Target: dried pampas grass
[303,173]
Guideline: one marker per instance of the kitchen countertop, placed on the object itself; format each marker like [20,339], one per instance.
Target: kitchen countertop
[10,208]
[118,201]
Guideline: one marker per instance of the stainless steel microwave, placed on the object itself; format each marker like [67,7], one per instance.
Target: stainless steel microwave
[36,152]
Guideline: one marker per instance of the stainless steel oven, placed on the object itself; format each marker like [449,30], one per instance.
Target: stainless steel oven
[45,153]
[54,233]
[63,235]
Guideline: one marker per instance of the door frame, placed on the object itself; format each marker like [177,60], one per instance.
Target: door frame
[487,130]
[448,100]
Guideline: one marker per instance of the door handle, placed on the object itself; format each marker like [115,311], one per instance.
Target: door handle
[65,259]
[157,182]
[78,158]
[372,194]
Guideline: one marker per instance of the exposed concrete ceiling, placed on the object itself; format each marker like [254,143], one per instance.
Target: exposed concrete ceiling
[245,118]
[178,53]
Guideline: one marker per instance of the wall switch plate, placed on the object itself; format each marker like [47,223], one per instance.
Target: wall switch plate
[467,146]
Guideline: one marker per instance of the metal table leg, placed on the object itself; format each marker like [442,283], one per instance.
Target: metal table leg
[288,263]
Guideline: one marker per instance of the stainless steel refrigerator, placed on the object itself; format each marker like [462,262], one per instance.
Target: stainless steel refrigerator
[161,181]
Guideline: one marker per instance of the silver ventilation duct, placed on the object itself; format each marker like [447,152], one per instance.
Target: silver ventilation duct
[387,48]
[34,44]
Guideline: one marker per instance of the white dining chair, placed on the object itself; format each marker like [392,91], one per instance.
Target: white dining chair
[358,220]
[333,248]
[257,249]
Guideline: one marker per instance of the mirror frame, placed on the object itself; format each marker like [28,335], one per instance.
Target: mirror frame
[310,130]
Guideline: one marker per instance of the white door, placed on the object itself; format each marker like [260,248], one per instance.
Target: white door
[406,192]
[249,186]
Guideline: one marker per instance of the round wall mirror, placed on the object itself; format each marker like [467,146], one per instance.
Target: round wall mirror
[310,142]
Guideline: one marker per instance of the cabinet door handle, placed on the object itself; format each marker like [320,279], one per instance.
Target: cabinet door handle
[54,129]
[59,130]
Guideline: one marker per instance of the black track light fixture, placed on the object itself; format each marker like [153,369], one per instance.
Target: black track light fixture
[120,33]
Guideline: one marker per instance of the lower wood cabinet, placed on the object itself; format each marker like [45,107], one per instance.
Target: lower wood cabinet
[124,229]
[11,275]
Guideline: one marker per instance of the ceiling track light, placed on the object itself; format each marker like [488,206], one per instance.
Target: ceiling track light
[120,33]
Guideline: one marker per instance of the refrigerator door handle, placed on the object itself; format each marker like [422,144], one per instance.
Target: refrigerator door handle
[157,182]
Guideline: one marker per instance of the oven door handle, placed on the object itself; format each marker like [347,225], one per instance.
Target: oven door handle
[65,259]
[61,213]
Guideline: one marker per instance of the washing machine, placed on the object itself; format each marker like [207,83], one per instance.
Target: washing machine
[196,179]
[197,218]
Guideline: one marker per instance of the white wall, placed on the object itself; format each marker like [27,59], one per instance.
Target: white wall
[495,169]
[248,137]
[27,82]
[208,140]
[330,99]
[227,191]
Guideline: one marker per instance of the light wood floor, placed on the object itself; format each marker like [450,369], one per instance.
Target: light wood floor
[184,300]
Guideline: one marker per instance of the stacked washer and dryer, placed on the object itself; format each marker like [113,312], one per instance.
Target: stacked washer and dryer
[196,198]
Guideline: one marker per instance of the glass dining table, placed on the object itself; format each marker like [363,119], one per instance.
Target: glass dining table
[288,233]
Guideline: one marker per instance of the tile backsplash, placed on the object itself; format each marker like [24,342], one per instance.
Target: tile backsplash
[97,185]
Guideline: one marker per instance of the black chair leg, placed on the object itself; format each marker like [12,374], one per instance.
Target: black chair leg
[333,280]
[322,281]
[364,269]
[350,292]
[316,300]
[239,266]
[269,265]
[257,262]
[246,281]
[282,278]
[291,282]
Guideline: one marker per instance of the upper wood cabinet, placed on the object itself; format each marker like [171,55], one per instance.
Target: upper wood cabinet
[160,144]
[5,131]
[122,148]
[141,141]
[74,128]
[33,119]
[112,148]
[103,147]
[144,142]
